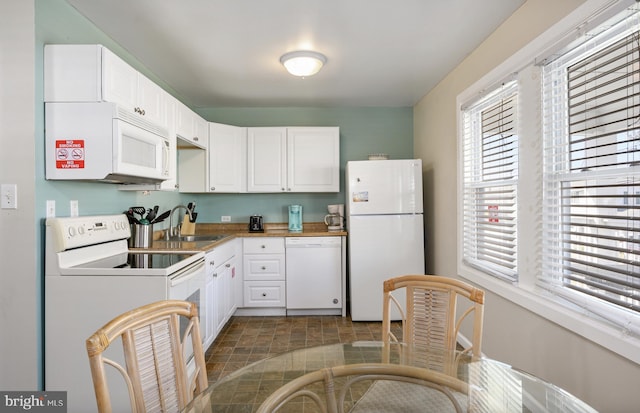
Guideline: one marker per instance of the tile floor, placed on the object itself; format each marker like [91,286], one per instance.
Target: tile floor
[247,339]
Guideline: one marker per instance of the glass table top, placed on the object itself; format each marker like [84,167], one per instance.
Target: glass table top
[490,386]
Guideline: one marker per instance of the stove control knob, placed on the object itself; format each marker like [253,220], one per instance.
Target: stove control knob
[80,230]
[72,231]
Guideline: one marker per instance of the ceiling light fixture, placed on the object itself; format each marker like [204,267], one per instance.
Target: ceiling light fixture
[303,62]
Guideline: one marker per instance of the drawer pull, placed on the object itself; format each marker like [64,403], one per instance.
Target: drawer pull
[264,294]
[263,268]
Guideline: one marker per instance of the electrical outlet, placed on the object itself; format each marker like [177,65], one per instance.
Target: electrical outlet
[225,218]
[51,208]
[73,208]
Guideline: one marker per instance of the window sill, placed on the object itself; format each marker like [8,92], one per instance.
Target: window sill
[547,307]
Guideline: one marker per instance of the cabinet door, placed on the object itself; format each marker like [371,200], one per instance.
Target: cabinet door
[184,121]
[208,326]
[119,80]
[313,159]
[200,131]
[221,297]
[151,101]
[227,158]
[235,287]
[266,158]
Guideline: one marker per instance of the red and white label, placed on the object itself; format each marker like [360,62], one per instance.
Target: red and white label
[70,154]
[493,213]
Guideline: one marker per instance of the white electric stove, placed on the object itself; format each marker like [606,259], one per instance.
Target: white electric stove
[91,277]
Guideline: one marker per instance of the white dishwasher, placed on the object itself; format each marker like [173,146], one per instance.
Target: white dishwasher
[314,275]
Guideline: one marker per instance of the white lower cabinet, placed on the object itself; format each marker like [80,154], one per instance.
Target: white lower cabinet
[221,297]
[264,294]
[264,272]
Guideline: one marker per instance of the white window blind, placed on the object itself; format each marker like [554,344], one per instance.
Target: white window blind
[591,219]
[490,173]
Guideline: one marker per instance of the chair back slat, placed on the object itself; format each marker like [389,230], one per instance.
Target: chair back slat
[431,318]
[156,373]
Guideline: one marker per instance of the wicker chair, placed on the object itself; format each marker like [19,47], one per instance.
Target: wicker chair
[429,318]
[329,389]
[156,368]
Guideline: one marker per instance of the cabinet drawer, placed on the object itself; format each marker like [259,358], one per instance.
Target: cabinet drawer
[264,267]
[264,294]
[263,245]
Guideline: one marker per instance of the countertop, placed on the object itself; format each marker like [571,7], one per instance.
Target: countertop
[310,229]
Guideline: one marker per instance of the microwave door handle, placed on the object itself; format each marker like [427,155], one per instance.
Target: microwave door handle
[187,274]
[165,158]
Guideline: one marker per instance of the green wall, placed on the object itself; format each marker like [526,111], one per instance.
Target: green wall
[362,131]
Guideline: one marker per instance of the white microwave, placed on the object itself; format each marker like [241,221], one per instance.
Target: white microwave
[103,142]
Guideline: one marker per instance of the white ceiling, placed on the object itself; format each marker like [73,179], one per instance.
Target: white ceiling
[225,53]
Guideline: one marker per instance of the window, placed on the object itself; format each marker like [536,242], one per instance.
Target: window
[591,218]
[490,173]
[568,243]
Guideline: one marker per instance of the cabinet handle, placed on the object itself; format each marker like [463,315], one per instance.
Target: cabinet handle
[213,188]
[263,268]
[228,265]
[195,138]
[263,246]
[211,262]
[264,294]
[215,274]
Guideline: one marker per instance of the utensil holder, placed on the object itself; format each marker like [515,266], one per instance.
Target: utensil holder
[141,236]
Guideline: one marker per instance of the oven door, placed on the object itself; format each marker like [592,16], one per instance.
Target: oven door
[188,284]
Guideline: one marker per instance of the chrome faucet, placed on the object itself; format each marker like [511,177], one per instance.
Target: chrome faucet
[173,231]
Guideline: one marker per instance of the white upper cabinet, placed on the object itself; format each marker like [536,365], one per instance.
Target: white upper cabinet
[190,126]
[227,158]
[92,73]
[267,159]
[313,159]
[295,159]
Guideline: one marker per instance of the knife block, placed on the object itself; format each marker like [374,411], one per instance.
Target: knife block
[188,227]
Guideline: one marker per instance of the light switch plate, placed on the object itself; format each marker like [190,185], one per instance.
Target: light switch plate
[225,218]
[51,208]
[9,196]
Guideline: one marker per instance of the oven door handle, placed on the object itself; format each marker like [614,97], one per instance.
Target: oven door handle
[188,273]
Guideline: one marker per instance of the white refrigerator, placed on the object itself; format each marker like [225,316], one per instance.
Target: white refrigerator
[385,226]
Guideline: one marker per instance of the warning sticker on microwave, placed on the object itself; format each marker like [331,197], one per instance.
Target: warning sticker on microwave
[361,196]
[70,154]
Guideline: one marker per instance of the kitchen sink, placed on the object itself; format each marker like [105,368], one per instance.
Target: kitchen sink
[194,238]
